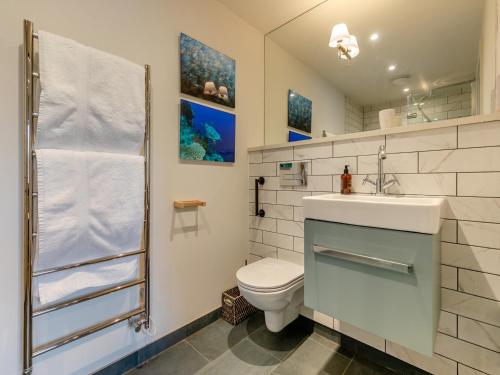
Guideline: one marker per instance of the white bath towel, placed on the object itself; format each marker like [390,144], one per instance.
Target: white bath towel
[63,285]
[90,100]
[90,205]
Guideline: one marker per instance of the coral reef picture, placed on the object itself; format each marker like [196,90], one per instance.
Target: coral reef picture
[206,73]
[206,133]
[299,112]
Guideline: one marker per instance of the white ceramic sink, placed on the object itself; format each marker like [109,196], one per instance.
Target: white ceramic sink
[413,214]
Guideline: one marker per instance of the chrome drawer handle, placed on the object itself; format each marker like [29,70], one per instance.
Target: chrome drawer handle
[364,259]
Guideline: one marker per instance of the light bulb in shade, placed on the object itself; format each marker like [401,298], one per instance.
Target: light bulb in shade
[374,37]
[339,33]
[406,89]
[391,68]
[351,44]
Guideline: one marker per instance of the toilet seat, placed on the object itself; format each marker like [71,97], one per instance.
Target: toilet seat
[270,275]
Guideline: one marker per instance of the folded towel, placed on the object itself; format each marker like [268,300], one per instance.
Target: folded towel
[90,205]
[63,285]
[90,100]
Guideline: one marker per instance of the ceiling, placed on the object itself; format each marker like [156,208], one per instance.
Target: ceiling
[266,15]
[435,42]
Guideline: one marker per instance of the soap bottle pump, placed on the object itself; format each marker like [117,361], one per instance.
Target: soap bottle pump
[345,181]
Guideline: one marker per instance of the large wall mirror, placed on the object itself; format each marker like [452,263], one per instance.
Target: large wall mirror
[333,69]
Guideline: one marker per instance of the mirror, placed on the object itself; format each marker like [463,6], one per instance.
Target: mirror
[416,61]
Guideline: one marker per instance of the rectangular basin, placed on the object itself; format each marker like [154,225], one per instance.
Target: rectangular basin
[412,214]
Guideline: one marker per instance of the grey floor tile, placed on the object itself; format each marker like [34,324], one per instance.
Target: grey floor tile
[282,343]
[216,338]
[329,343]
[243,358]
[180,359]
[312,358]
[364,367]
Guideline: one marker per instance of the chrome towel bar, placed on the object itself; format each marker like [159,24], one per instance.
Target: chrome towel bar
[42,349]
[87,297]
[87,262]
[363,259]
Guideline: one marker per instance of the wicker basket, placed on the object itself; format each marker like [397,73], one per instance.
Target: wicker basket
[235,308]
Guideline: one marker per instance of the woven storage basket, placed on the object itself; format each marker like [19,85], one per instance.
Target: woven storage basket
[235,308]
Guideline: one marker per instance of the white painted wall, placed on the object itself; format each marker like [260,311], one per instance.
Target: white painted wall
[189,268]
[487,57]
[284,72]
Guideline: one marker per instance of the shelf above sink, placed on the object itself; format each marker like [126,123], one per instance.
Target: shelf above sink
[412,214]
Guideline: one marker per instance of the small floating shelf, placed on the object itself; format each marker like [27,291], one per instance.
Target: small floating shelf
[189,203]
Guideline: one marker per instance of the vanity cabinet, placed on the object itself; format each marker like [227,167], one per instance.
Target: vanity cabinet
[384,281]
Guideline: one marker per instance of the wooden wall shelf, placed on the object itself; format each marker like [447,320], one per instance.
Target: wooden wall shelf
[189,203]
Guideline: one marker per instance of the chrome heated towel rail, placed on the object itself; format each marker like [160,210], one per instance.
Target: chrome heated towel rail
[140,314]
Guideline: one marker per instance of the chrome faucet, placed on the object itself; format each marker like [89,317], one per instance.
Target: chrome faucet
[381,185]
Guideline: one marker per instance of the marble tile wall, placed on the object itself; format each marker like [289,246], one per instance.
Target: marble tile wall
[461,163]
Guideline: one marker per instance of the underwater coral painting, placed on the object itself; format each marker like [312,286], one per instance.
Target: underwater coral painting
[206,133]
[207,73]
[299,111]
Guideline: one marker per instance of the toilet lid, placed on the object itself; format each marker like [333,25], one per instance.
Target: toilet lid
[270,273]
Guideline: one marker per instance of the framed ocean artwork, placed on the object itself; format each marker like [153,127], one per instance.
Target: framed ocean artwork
[207,73]
[294,136]
[299,112]
[206,134]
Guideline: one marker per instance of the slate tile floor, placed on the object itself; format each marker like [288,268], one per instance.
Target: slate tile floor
[249,348]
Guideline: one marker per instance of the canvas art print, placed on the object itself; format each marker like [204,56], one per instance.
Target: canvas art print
[206,133]
[206,73]
[299,112]
[294,136]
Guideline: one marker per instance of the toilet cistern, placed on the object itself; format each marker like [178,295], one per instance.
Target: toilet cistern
[380,184]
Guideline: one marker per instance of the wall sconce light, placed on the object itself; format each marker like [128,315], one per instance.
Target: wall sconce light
[346,44]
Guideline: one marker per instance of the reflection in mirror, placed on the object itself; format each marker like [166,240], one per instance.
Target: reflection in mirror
[360,65]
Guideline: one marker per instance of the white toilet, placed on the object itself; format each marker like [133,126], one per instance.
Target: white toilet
[274,286]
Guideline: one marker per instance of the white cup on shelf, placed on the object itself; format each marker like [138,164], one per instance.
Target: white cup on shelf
[387,118]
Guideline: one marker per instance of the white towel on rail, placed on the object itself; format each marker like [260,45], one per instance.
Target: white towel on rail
[90,100]
[90,205]
[67,284]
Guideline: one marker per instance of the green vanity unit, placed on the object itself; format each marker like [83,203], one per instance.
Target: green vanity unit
[384,281]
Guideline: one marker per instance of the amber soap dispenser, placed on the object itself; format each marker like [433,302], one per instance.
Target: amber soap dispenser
[345,181]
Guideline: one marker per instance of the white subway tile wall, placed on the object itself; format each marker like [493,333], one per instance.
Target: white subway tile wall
[353,116]
[461,163]
[446,103]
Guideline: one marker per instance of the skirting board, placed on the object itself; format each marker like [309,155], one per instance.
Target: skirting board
[349,347]
[140,356]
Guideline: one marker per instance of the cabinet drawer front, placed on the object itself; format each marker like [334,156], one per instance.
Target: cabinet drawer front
[383,281]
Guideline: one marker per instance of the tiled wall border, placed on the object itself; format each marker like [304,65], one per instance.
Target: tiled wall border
[460,162]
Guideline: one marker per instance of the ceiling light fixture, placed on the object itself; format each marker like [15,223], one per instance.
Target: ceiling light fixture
[374,37]
[391,68]
[346,44]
